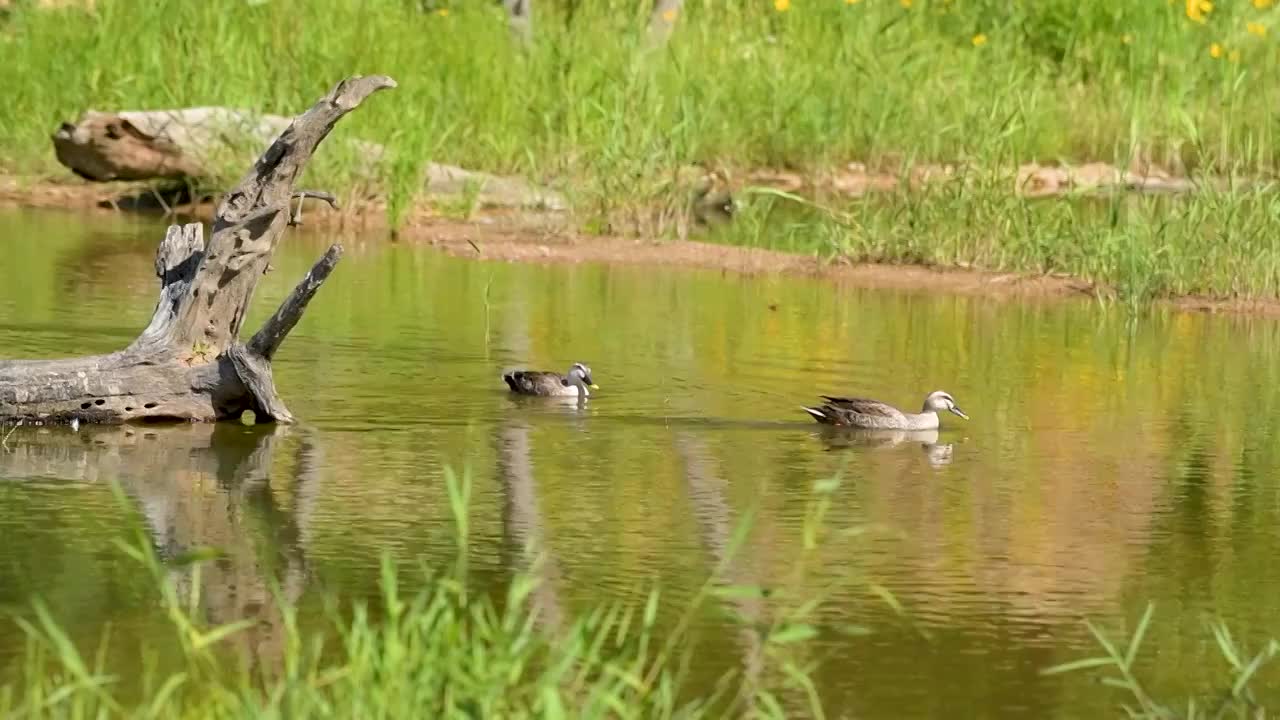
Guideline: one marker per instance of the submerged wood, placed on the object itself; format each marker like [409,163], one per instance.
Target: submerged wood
[189,363]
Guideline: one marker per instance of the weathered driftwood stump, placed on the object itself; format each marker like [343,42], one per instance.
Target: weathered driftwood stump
[189,363]
[191,144]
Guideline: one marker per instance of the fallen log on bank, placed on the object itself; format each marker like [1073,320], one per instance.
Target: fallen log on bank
[189,363]
[194,145]
[182,144]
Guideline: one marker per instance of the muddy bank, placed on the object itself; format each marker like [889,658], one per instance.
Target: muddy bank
[519,236]
[510,243]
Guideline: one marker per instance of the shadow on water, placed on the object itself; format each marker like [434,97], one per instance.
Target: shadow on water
[834,437]
[528,551]
[523,531]
[716,525]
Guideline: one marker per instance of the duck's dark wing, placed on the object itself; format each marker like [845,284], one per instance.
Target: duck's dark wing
[533,382]
[860,406]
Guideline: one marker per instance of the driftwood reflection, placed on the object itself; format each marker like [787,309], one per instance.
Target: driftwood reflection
[522,523]
[201,485]
[714,518]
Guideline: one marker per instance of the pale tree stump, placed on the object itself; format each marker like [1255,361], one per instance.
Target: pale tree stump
[189,363]
[520,20]
[662,20]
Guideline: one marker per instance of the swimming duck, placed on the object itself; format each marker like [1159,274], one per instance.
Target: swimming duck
[875,415]
[574,383]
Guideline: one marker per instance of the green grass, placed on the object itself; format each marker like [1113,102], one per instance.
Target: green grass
[1135,248]
[1234,697]
[446,650]
[590,110]
[824,82]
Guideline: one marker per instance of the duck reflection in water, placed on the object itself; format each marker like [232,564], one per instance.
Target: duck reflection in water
[836,438]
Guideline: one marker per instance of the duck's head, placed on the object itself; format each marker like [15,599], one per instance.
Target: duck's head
[939,401]
[581,374]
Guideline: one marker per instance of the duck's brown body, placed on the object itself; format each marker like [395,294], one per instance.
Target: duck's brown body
[539,382]
[542,383]
[875,415]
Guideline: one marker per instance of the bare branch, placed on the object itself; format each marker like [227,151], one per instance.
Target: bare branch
[267,340]
[251,218]
[302,196]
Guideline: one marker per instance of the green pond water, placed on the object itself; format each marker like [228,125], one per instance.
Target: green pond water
[1108,463]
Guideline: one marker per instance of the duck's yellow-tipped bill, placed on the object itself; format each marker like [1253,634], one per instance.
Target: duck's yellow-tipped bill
[595,387]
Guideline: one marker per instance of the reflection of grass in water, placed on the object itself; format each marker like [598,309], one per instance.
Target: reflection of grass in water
[444,651]
[1136,247]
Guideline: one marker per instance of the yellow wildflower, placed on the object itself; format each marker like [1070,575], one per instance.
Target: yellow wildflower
[782,5]
[1215,51]
[669,16]
[1263,4]
[1195,13]
[979,39]
[1256,28]
[1127,39]
[851,2]
[443,12]
[905,3]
